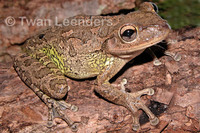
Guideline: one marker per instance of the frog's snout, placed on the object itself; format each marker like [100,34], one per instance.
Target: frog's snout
[165,25]
[166,28]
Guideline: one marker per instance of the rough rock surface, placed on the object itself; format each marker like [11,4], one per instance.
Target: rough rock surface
[176,100]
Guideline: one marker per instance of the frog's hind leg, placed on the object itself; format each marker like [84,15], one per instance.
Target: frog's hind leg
[55,109]
[48,83]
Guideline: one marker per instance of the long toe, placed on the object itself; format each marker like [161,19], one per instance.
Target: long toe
[64,105]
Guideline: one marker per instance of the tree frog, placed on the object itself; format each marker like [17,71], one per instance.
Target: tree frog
[80,50]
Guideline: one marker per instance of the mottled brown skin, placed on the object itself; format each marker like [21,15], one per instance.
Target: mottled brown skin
[86,51]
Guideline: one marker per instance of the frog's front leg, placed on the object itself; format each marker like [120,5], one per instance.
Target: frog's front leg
[47,81]
[129,100]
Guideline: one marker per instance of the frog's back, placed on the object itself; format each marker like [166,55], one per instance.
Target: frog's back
[82,35]
[76,50]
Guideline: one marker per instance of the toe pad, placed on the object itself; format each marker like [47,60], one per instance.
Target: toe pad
[151,91]
[74,127]
[154,121]
[136,127]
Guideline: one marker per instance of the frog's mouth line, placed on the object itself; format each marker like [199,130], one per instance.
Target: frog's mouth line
[139,49]
[152,42]
[144,46]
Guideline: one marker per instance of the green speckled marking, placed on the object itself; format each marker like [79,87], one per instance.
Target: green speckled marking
[97,61]
[55,57]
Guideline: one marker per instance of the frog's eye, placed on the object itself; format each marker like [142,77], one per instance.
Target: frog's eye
[128,33]
[155,7]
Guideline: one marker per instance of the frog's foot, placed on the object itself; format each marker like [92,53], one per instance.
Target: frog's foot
[134,104]
[174,56]
[55,110]
[122,85]
[156,61]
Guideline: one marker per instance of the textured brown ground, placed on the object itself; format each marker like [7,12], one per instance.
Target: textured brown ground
[177,84]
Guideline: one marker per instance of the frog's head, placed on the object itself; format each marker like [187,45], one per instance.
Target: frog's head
[137,31]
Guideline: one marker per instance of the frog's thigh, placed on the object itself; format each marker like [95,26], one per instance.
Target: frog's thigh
[49,80]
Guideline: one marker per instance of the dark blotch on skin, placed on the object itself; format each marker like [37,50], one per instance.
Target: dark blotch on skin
[51,65]
[24,55]
[29,62]
[43,72]
[55,84]
[59,73]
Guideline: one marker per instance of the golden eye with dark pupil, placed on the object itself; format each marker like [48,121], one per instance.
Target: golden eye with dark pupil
[128,33]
